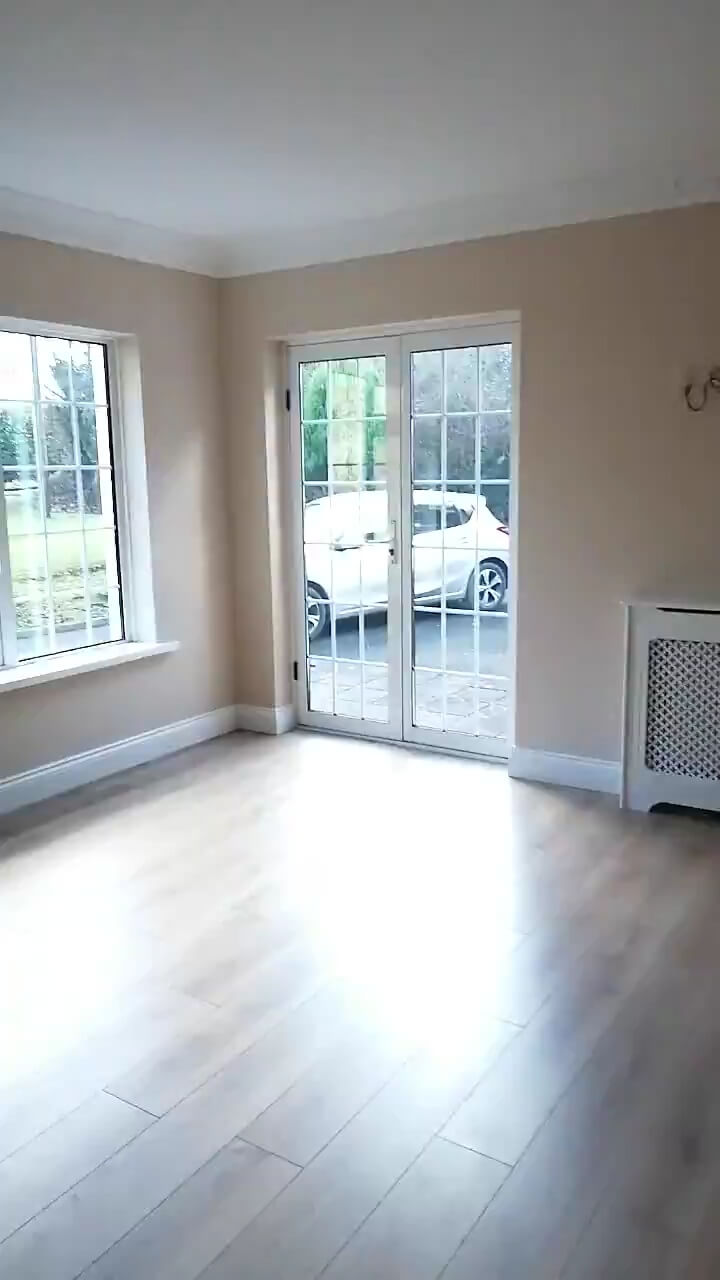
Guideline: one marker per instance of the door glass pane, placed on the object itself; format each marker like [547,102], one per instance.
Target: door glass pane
[461,380]
[460,458]
[346,535]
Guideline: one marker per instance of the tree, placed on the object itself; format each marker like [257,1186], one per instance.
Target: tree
[365,386]
[17,444]
[315,427]
[468,386]
[17,438]
[465,378]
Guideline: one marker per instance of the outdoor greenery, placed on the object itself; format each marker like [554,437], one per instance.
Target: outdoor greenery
[66,547]
[358,392]
[357,452]
[17,437]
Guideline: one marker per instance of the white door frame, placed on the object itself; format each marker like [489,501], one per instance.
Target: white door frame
[343,349]
[486,334]
[396,343]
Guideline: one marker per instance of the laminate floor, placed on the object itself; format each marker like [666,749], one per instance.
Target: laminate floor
[284,1008]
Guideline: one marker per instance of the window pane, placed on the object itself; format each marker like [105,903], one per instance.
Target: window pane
[105,623]
[61,500]
[99,378]
[27,558]
[102,436]
[313,390]
[87,435]
[371,372]
[69,608]
[426,519]
[356,450]
[57,431]
[53,360]
[315,450]
[374,450]
[65,560]
[92,497]
[495,446]
[496,376]
[101,553]
[320,685]
[30,593]
[22,502]
[427,382]
[98,500]
[317,514]
[497,497]
[348,677]
[88,372]
[345,450]
[428,695]
[17,437]
[351,446]
[426,448]
[461,450]
[16,377]
[345,389]
[461,380]
[376,691]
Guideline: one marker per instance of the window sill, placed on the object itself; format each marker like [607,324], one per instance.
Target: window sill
[75,663]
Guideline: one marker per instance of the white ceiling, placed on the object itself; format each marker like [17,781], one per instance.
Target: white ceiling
[239,135]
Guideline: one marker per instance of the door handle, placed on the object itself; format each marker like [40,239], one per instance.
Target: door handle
[392,544]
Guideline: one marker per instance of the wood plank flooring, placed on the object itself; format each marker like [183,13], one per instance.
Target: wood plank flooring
[283,1008]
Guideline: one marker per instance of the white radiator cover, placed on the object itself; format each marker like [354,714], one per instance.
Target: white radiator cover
[671,739]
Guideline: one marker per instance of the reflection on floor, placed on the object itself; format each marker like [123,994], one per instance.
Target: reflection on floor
[284,1007]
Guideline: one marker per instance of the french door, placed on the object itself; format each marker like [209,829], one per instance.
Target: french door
[401,480]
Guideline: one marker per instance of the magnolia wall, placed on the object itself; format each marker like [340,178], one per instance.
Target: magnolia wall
[175,317]
[618,483]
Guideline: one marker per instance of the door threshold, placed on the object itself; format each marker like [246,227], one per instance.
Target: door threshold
[411,746]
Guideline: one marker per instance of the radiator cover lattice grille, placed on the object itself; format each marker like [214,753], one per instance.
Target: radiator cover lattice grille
[683,708]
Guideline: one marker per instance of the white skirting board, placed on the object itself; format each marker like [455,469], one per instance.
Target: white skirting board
[565,771]
[75,771]
[265,719]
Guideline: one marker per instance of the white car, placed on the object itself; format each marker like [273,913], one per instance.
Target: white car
[347,542]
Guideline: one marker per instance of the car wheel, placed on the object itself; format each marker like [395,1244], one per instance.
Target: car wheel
[318,614]
[491,587]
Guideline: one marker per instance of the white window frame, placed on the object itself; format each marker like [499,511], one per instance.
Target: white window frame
[132,519]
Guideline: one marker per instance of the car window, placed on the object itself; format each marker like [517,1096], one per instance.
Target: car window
[426,519]
[456,516]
